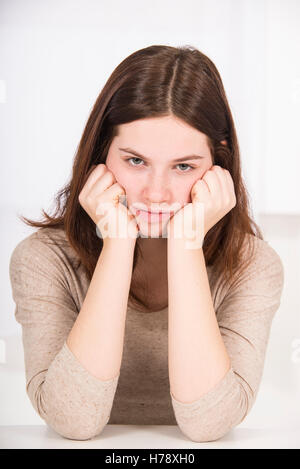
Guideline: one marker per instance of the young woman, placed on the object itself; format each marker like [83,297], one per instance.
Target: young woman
[128,328]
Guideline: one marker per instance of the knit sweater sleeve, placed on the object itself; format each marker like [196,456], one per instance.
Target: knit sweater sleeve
[244,317]
[67,397]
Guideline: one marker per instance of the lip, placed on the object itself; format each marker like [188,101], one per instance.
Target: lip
[153,212]
[153,217]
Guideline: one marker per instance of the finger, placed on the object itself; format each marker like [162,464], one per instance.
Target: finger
[95,172]
[230,184]
[229,179]
[112,195]
[200,191]
[101,184]
[213,183]
[221,175]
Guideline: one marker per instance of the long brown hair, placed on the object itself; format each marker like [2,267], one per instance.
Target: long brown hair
[158,81]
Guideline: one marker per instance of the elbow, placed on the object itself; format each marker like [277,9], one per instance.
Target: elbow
[71,420]
[202,434]
[204,424]
[74,432]
[76,425]
[206,429]
[71,401]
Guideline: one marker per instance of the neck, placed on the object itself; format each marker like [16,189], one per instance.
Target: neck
[152,246]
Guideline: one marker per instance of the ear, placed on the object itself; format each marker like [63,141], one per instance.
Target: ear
[224,142]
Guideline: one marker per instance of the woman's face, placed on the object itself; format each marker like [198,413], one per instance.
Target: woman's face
[153,180]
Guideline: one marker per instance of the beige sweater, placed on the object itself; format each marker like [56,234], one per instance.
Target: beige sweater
[49,285]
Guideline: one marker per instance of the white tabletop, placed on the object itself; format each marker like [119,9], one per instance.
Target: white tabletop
[149,436]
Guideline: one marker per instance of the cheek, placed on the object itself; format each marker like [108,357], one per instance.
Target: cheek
[180,190]
[118,171]
[126,180]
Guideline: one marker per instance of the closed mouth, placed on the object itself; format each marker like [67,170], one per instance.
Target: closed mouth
[153,212]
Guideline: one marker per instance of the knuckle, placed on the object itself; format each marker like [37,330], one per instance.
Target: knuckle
[121,190]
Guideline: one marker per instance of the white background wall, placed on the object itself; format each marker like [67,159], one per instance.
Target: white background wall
[55,56]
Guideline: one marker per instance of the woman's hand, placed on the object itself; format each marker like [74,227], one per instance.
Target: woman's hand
[101,198]
[213,196]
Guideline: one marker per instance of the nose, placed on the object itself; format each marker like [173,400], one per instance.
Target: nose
[157,191]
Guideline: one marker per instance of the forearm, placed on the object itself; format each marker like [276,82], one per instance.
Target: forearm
[198,359]
[97,336]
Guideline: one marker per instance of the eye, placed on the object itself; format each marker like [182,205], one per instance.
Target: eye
[184,164]
[180,164]
[134,158]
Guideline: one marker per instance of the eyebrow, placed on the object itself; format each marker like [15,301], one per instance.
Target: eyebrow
[183,158]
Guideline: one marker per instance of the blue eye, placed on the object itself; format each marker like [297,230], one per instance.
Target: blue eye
[134,158]
[180,164]
[184,164]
